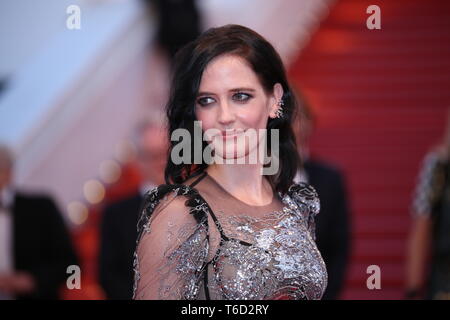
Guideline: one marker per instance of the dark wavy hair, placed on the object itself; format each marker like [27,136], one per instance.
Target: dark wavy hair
[191,61]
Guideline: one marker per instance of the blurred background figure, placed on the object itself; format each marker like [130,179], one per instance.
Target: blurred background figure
[119,221]
[179,22]
[333,222]
[429,239]
[35,247]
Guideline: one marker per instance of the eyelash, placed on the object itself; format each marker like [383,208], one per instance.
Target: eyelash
[200,101]
[248,96]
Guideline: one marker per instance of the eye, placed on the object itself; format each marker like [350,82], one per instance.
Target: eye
[241,97]
[204,101]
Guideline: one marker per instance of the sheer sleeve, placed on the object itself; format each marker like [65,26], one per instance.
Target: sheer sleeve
[306,196]
[172,248]
[424,190]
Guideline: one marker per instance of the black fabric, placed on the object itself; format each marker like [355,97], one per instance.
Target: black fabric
[202,175]
[332,224]
[205,282]
[41,244]
[178,23]
[439,278]
[117,243]
[441,212]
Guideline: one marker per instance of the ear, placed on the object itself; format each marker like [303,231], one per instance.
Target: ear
[275,98]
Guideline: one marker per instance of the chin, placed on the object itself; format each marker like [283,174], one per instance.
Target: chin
[237,155]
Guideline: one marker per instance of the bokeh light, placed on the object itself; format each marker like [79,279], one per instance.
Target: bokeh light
[110,171]
[94,191]
[77,212]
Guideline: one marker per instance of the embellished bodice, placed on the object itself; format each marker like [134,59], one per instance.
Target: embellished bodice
[229,250]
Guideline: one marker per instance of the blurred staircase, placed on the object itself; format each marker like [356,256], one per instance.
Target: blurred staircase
[381,99]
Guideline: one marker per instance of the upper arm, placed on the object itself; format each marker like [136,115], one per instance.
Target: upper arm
[171,252]
[423,193]
[314,209]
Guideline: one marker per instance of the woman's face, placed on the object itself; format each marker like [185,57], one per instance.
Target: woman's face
[232,100]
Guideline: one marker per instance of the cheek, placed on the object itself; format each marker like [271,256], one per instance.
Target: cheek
[252,119]
[207,118]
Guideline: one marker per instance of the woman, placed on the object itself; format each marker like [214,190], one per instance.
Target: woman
[220,230]
[430,229]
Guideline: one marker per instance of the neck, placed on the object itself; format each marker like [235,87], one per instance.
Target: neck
[244,181]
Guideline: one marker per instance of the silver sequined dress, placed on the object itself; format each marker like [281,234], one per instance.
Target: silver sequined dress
[203,243]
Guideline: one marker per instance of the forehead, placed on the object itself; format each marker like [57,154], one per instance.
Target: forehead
[228,72]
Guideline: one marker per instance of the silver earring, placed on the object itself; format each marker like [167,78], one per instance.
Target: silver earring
[279,112]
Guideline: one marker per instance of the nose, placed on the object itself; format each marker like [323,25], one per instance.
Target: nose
[226,115]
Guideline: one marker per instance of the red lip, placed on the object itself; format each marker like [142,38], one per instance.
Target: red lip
[231,134]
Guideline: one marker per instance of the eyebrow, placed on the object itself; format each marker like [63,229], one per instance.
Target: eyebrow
[204,93]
